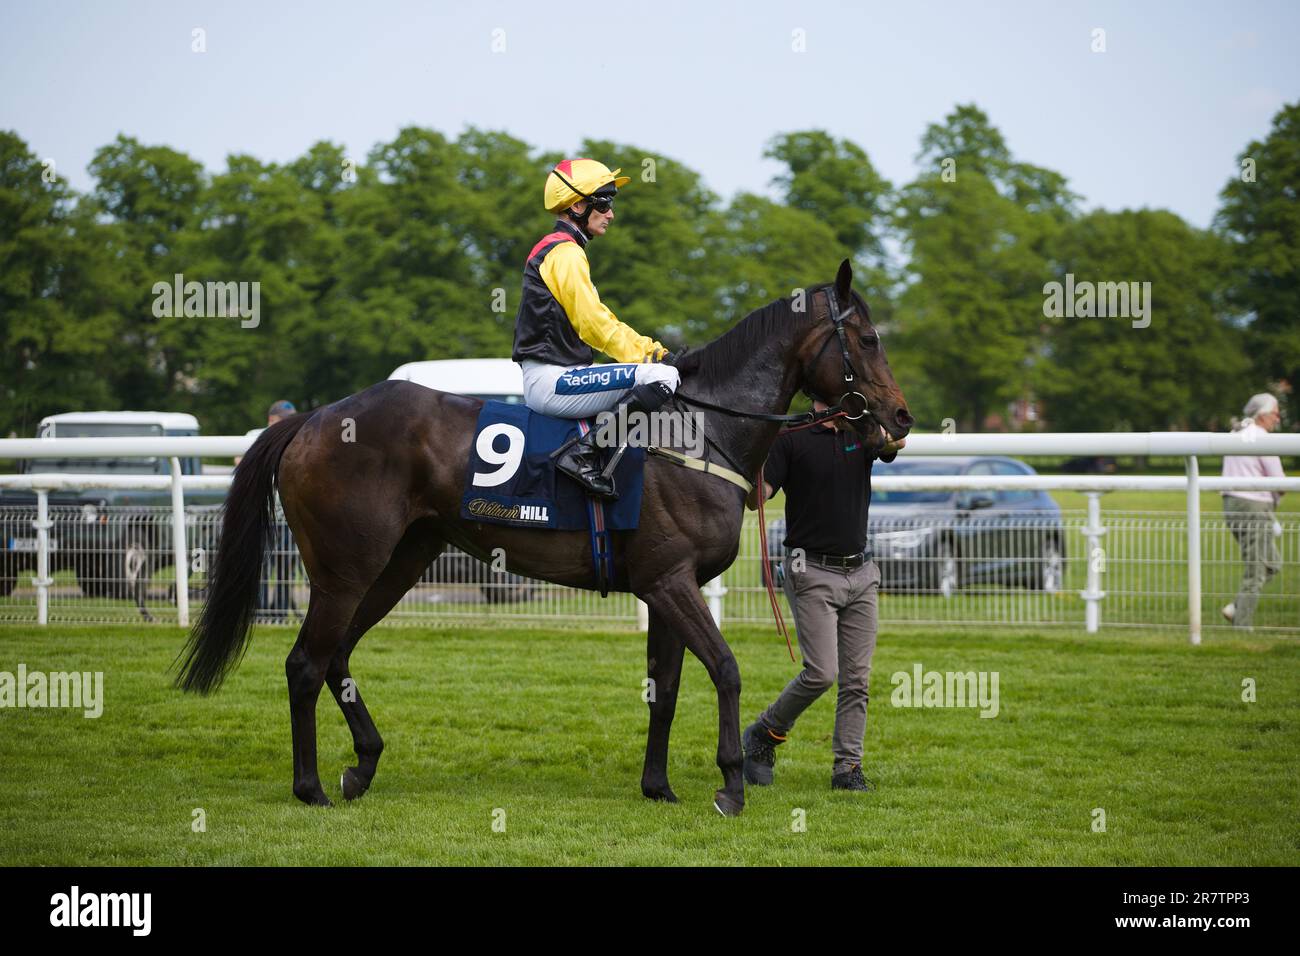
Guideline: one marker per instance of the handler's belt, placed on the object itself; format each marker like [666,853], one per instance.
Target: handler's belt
[842,562]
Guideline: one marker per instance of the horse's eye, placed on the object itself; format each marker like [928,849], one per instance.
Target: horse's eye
[867,341]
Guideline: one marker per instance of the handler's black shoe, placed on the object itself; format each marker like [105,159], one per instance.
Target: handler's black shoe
[760,753]
[581,460]
[852,779]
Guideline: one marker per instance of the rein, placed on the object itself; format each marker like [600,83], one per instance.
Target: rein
[803,419]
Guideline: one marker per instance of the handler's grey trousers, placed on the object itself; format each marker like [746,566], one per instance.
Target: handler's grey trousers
[1251,523]
[835,620]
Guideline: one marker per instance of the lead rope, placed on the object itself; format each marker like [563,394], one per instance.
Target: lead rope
[768,580]
[767,569]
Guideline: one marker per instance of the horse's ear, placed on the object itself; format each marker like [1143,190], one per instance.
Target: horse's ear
[844,281]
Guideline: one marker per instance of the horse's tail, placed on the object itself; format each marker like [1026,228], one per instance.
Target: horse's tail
[219,639]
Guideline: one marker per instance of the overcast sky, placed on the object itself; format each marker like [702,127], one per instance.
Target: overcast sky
[1156,120]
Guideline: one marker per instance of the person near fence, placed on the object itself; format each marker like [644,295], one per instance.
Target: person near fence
[276,599]
[831,582]
[1250,514]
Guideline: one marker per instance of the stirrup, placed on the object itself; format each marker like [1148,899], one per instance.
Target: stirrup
[614,459]
[586,481]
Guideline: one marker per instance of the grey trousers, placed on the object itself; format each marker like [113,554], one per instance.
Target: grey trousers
[835,620]
[1251,523]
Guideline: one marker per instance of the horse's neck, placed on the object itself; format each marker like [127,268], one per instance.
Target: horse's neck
[766,381]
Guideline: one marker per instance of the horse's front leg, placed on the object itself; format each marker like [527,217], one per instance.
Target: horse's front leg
[664,652]
[677,599]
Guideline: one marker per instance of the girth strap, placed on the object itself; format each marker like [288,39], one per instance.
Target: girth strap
[699,464]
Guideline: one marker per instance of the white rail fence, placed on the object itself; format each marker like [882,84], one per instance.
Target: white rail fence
[1120,568]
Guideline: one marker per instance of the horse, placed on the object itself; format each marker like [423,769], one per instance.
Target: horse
[371,487]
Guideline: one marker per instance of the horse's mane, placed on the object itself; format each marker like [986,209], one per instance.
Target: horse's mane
[713,360]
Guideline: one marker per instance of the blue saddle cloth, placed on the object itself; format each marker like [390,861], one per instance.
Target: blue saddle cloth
[512,479]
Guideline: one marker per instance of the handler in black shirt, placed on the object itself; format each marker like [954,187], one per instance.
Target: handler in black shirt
[831,583]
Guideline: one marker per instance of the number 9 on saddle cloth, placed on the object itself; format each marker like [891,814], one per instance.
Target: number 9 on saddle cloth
[511,477]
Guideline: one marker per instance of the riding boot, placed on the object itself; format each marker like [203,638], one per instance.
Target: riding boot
[580,458]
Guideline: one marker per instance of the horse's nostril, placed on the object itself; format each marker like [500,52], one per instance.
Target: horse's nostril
[903,417]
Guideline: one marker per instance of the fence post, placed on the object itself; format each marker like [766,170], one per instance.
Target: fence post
[1193,550]
[178,547]
[1093,595]
[715,591]
[642,615]
[42,581]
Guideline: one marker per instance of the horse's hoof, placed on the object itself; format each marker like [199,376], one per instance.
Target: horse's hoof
[726,805]
[662,794]
[317,799]
[353,784]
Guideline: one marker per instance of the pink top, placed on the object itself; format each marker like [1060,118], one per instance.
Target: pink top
[1253,466]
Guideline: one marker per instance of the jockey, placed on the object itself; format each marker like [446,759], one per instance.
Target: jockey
[561,320]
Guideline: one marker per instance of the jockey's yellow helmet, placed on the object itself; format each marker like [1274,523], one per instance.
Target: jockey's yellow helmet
[575,179]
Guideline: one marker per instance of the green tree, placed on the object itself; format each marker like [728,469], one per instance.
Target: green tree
[969,320]
[151,196]
[263,225]
[973,144]
[1260,215]
[1184,370]
[977,226]
[835,182]
[768,251]
[60,295]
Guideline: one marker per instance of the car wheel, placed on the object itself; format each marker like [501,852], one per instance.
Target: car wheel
[1051,568]
[506,593]
[92,577]
[121,575]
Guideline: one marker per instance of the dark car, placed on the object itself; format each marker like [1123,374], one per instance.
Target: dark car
[938,541]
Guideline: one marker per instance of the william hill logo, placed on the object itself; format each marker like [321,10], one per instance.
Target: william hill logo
[482,508]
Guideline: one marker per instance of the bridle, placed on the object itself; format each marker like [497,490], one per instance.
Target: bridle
[837,318]
[838,409]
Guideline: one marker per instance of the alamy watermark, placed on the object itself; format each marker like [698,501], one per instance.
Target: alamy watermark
[922,688]
[1086,300]
[78,690]
[75,908]
[208,300]
[662,429]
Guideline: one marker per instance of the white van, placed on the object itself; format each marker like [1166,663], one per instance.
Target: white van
[486,378]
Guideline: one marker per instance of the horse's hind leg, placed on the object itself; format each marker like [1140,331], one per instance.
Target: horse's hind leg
[414,553]
[322,632]
[664,652]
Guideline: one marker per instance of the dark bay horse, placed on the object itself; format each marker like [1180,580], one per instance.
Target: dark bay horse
[371,487]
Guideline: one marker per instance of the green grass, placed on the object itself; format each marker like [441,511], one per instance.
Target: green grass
[548,725]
